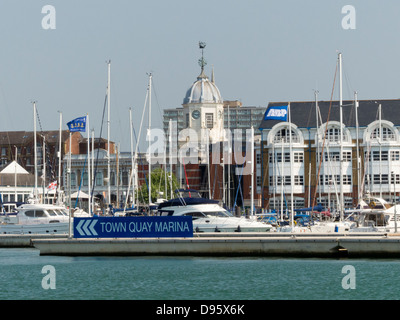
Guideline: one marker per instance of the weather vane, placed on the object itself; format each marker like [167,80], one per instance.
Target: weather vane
[202,61]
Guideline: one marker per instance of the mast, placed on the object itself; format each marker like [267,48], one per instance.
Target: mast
[35,147]
[149,136]
[380,149]
[88,161]
[291,169]
[252,172]
[92,169]
[317,160]
[44,169]
[108,131]
[357,148]
[170,154]
[133,163]
[59,161]
[341,138]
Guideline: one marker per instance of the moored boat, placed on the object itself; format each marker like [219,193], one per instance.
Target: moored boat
[208,216]
[32,218]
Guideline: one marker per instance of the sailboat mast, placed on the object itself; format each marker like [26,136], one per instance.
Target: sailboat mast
[133,162]
[59,161]
[35,147]
[357,149]
[341,138]
[252,173]
[108,130]
[88,161]
[149,136]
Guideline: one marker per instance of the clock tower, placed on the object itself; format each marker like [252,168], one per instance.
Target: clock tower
[203,105]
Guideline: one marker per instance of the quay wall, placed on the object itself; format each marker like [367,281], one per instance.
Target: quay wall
[377,245]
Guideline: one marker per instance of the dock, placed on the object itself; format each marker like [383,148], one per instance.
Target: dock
[378,245]
[25,240]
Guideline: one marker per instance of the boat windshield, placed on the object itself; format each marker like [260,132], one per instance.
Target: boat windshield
[223,213]
[195,215]
[52,212]
[61,212]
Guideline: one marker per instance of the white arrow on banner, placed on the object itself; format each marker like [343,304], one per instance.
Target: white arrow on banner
[86,227]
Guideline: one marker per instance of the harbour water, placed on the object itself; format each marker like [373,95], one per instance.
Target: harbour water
[22,275]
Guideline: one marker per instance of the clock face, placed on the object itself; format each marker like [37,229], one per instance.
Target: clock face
[196,114]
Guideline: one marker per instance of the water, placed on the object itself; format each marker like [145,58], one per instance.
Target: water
[193,278]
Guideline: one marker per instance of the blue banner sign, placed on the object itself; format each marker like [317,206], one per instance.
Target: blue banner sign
[133,227]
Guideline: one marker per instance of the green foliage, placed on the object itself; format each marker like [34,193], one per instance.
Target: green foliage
[158,185]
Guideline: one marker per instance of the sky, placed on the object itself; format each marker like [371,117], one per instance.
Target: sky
[261,50]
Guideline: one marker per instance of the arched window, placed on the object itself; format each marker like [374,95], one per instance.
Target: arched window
[333,134]
[285,135]
[387,134]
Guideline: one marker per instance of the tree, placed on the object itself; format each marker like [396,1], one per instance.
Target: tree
[158,184]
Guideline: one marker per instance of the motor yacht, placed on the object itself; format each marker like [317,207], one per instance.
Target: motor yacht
[208,216]
[33,218]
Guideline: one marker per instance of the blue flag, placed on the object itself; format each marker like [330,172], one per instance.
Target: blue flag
[77,125]
[276,113]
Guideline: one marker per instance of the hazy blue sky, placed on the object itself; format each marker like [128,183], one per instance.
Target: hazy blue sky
[262,51]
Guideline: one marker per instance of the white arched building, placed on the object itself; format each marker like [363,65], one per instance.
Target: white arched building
[330,161]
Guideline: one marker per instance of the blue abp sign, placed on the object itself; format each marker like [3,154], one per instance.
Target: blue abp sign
[133,227]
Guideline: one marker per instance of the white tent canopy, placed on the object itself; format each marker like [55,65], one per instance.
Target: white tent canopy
[14,167]
[80,194]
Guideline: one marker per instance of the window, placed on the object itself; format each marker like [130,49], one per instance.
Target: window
[387,134]
[347,156]
[73,179]
[125,178]
[209,120]
[40,214]
[384,179]
[347,179]
[298,180]
[333,134]
[258,158]
[112,181]
[99,178]
[394,155]
[287,157]
[395,178]
[30,213]
[332,156]
[284,135]
[298,157]
[380,155]
[85,179]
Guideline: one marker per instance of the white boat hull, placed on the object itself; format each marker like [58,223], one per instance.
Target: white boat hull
[48,228]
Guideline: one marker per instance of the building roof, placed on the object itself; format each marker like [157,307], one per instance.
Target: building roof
[303,114]
[22,137]
[203,91]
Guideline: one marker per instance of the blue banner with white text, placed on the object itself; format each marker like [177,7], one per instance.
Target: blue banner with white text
[133,227]
[276,113]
